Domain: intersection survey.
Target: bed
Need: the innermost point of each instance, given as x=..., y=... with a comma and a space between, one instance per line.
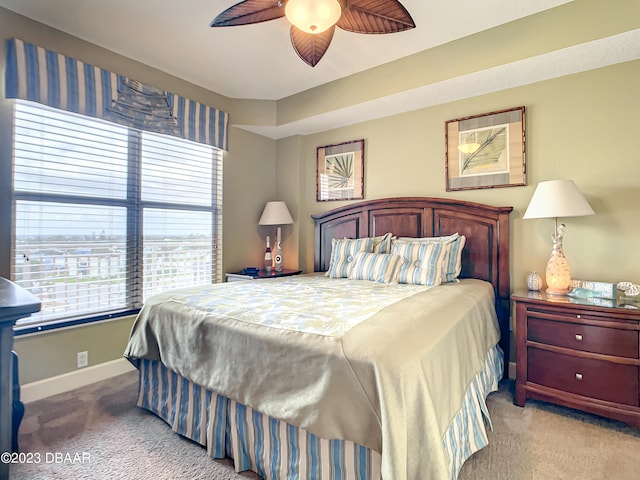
x=331, y=376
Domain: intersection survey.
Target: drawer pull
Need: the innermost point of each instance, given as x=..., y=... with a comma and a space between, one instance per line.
x=578, y=316
x=578, y=376
x=578, y=337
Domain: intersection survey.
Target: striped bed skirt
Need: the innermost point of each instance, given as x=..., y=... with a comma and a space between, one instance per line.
x=276, y=450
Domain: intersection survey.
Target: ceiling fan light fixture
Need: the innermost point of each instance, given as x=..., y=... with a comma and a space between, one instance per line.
x=313, y=16
x=313, y=22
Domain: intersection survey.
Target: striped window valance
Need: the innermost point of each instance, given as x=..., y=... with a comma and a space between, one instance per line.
x=40, y=75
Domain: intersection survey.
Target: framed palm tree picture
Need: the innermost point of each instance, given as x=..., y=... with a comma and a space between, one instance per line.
x=340, y=171
x=486, y=151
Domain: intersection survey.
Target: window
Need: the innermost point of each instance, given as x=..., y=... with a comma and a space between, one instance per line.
x=106, y=215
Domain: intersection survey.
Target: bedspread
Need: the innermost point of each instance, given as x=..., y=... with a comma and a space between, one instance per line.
x=388, y=376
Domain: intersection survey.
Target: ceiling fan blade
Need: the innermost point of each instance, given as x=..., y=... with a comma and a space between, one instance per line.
x=375, y=16
x=250, y=11
x=311, y=47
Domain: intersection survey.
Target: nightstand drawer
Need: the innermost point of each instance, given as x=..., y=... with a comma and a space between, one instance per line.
x=613, y=382
x=588, y=338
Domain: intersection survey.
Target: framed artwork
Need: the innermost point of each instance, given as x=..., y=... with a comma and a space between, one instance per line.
x=340, y=171
x=486, y=151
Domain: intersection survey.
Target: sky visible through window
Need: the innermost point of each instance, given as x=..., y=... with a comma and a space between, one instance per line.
x=74, y=183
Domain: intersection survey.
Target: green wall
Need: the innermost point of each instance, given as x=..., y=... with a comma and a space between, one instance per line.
x=44, y=355
x=581, y=126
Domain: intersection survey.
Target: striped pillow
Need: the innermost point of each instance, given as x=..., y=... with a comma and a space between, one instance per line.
x=422, y=262
x=452, y=262
x=382, y=244
x=376, y=267
x=343, y=252
x=453, y=266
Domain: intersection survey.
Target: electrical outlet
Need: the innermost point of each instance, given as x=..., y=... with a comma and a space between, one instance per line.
x=83, y=359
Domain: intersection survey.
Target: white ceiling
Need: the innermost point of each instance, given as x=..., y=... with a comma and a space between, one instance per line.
x=257, y=61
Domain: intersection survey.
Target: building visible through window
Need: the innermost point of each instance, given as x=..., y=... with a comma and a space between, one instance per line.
x=107, y=215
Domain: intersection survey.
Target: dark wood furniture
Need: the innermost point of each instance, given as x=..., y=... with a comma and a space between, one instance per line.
x=236, y=276
x=15, y=303
x=579, y=353
x=485, y=255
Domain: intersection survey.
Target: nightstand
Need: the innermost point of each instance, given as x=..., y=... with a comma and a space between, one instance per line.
x=580, y=353
x=15, y=303
x=238, y=276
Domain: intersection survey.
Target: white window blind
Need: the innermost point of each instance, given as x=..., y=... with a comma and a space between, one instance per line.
x=106, y=215
x=177, y=172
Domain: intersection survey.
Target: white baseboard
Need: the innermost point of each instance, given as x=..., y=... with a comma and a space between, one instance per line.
x=31, y=392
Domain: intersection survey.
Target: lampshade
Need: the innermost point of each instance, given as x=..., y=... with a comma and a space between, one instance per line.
x=557, y=198
x=313, y=16
x=275, y=213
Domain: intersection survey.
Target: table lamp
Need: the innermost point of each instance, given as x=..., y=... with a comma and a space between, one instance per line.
x=276, y=213
x=553, y=199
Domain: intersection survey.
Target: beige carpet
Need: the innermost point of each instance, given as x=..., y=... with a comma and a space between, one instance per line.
x=97, y=432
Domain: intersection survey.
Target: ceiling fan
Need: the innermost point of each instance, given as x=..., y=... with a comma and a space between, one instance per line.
x=314, y=21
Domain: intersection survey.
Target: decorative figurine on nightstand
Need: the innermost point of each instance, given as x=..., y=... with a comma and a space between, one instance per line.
x=534, y=282
x=629, y=289
x=268, y=259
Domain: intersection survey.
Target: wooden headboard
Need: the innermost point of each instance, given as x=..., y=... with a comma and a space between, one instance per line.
x=485, y=255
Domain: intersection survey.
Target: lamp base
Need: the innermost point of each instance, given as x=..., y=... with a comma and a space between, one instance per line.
x=558, y=271
x=557, y=291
